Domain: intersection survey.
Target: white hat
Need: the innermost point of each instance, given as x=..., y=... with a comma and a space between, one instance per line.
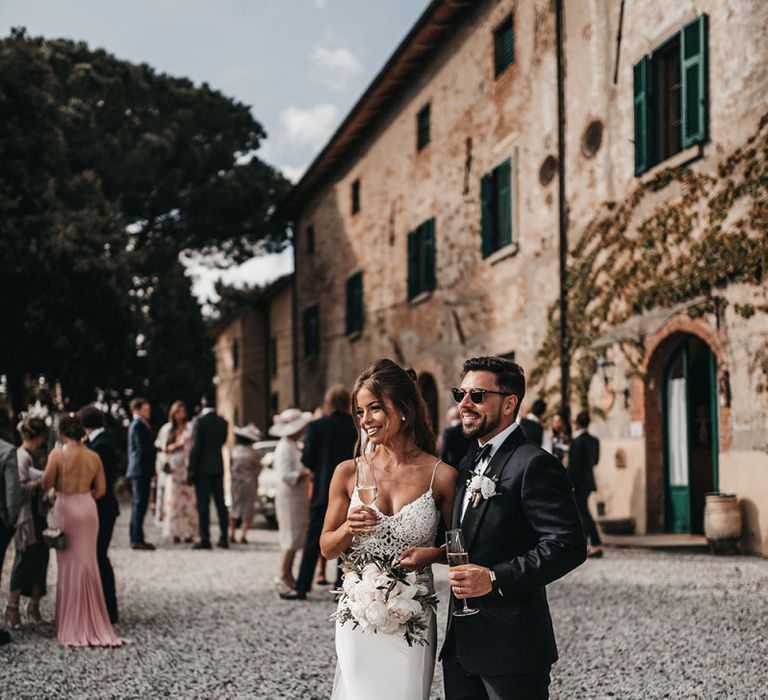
x=289, y=422
x=249, y=432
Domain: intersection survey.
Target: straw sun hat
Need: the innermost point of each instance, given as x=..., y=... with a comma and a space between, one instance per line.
x=249, y=432
x=289, y=422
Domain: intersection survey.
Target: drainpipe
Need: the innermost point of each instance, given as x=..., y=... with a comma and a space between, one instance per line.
x=563, y=210
x=295, y=323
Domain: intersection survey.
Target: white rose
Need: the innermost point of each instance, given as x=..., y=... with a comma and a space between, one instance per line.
x=403, y=610
x=487, y=487
x=351, y=580
x=476, y=482
x=376, y=613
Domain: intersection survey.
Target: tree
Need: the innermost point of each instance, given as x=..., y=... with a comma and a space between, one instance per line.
x=108, y=171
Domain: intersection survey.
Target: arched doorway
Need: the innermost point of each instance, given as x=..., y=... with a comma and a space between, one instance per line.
x=428, y=388
x=690, y=425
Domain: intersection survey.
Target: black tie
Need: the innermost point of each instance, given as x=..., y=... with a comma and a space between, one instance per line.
x=480, y=456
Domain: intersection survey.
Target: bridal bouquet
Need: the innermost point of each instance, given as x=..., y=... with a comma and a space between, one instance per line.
x=381, y=596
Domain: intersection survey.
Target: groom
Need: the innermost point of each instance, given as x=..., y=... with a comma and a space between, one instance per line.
x=522, y=537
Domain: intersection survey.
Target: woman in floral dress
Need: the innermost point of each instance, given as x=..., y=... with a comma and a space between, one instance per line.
x=180, y=507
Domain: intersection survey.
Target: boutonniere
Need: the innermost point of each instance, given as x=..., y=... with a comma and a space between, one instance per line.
x=481, y=488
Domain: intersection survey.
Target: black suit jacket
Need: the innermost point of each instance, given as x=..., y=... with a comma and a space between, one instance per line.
x=532, y=430
x=107, y=504
x=208, y=437
x=530, y=534
x=454, y=445
x=584, y=454
x=329, y=441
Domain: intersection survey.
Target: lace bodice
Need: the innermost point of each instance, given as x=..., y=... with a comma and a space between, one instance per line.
x=414, y=525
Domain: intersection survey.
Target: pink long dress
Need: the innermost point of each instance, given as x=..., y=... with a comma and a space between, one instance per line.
x=81, y=613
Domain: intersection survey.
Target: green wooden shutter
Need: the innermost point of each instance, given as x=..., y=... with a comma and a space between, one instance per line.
x=413, y=268
x=504, y=45
x=504, y=202
x=354, y=316
x=693, y=73
x=486, y=223
x=428, y=254
x=642, y=151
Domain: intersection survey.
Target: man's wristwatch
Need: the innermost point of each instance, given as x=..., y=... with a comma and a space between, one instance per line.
x=494, y=582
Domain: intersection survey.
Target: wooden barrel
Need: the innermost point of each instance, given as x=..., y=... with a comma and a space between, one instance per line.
x=722, y=522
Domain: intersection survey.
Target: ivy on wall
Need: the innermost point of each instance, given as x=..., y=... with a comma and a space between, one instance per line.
x=705, y=233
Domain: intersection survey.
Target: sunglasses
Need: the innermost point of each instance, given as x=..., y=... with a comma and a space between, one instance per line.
x=476, y=396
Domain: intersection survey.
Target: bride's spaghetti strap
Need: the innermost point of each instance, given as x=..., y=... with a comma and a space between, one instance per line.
x=434, y=471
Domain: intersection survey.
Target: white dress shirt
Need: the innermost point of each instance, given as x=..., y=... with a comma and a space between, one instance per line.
x=482, y=465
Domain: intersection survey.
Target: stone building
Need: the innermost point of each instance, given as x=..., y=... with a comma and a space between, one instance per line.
x=427, y=230
x=253, y=346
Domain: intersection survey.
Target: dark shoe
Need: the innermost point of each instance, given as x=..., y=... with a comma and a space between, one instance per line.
x=223, y=544
x=322, y=581
x=293, y=595
x=595, y=552
x=143, y=546
x=189, y=540
x=114, y=619
x=202, y=545
x=177, y=540
x=5, y=638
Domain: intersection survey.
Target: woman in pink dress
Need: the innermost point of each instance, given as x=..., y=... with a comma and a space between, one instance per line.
x=78, y=475
x=180, y=505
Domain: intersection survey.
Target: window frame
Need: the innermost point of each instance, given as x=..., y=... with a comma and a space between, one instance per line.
x=424, y=127
x=500, y=61
x=355, y=196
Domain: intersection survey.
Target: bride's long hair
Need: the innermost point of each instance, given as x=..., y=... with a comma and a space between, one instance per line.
x=386, y=378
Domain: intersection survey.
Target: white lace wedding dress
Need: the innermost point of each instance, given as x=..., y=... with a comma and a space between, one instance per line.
x=383, y=666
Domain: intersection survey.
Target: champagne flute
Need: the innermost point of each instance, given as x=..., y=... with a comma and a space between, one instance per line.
x=458, y=559
x=367, y=491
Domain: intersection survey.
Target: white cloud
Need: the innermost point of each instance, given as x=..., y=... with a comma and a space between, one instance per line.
x=321, y=3
x=335, y=68
x=293, y=173
x=311, y=125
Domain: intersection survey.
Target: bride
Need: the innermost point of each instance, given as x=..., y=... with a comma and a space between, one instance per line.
x=414, y=489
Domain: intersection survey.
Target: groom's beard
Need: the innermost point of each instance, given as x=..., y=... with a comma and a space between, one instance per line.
x=487, y=425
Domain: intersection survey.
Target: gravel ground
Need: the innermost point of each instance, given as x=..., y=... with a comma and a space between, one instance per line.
x=209, y=625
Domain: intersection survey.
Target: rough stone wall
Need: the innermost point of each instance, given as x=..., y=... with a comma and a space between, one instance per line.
x=479, y=306
x=281, y=328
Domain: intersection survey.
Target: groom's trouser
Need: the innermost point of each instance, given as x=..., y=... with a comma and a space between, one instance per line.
x=460, y=684
x=207, y=486
x=311, y=548
x=590, y=528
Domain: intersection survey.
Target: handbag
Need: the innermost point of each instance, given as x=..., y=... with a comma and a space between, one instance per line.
x=54, y=537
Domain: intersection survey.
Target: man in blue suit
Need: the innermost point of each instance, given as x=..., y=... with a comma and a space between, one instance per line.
x=141, y=469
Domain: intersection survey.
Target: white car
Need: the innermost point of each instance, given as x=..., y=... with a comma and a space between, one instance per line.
x=267, y=480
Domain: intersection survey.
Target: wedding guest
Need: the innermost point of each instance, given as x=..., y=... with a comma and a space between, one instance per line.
x=141, y=469
x=291, y=501
x=453, y=443
x=206, y=470
x=106, y=506
x=561, y=437
x=245, y=467
x=179, y=504
x=10, y=502
x=78, y=476
x=329, y=442
x=532, y=425
x=584, y=455
x=30, y=563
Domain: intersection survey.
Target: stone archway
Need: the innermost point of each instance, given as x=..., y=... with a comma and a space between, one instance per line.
x=683, y=346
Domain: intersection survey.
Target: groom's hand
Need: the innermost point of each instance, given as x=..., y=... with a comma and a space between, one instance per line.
x=470, y=582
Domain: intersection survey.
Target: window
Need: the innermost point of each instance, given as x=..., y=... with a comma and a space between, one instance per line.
x=356, y=196
x=670, y=99
x=310, y=239
x=235, y=353
x=273, y=356
x=504, y=45
x=311, y=332
x=422, y=128
x=275, y=402
x=354, y=304
x=421, y=259
x=496, y=208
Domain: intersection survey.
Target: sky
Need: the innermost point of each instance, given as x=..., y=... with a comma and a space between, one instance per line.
x=300, y=64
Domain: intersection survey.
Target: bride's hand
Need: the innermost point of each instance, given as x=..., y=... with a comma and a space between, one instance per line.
x=362, y=520
x=416, y=558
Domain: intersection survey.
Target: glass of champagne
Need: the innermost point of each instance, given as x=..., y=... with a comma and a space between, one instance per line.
x=366, y=483
x=458, y=558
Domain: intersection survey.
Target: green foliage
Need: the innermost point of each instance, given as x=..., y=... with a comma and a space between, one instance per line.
x=688, y=246
x=93, y=147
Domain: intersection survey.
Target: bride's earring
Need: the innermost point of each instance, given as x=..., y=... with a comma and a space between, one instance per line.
x=403, y=419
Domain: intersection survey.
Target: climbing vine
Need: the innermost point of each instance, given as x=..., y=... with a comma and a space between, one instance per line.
x=707, y=233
